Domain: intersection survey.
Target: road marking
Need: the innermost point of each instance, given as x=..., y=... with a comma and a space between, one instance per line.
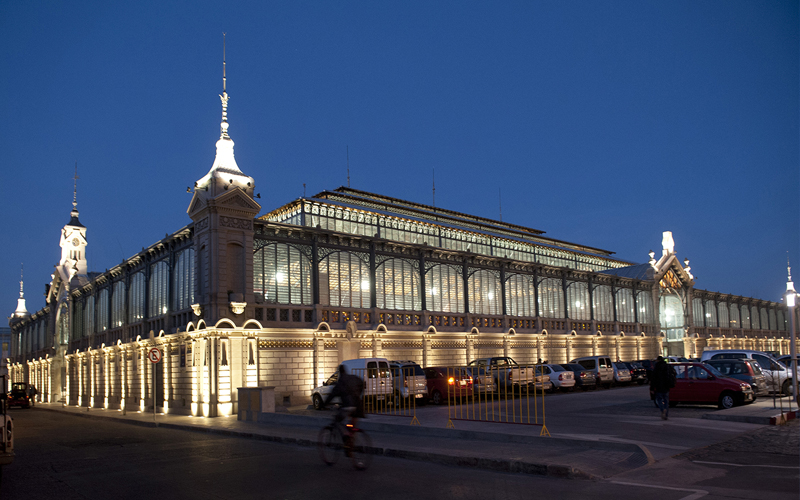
x=747, y=465
x=694, y=496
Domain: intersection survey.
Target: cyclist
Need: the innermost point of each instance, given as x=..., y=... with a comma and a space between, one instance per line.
x=349, y=389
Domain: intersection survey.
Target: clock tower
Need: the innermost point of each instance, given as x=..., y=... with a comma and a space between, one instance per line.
x=73, y=243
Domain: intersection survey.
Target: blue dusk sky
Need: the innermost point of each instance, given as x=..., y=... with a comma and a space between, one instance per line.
x=600, y=123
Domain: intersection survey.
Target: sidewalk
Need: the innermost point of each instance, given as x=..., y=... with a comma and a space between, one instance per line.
x=493, y=446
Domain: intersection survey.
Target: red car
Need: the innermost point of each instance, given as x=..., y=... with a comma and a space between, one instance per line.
x=447, y=383
x=703, y=384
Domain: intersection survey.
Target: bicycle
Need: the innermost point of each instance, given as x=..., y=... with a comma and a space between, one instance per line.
x=337, y=435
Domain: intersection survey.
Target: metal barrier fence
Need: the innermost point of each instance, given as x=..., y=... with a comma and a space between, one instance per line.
x=394, y=391
x=513, y=395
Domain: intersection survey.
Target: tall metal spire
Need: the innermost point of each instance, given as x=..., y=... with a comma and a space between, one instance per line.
x=75, y=189
x=21, y=277
x=224, y=96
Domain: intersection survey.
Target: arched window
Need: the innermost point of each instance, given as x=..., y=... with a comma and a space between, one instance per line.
x=746, y=324
x=118, y=305
x=773, y=320
x=722, y=309
x=445, y=289
x=88, y=317
x=520, y=295
x=697, y=312
x=344, y=280
x=397, y=286
x=755, y=321
x=734, y=316
x=764, y=319
x=484, y=292
x=551, y=298
x=102, y=310
x=711, y=314
x=184, y=279
x=603, y=303
x=578, y=300
x=158, y=289
x=282, y=275
x=781, y=321
x=63, y=324
x=625, y=306
x=644, y=301
x=136, y=298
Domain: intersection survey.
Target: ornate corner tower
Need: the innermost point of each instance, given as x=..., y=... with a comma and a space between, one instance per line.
x=223, y=210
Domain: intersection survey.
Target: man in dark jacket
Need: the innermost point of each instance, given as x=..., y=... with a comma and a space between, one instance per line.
x=349, y=389
x=662, y=382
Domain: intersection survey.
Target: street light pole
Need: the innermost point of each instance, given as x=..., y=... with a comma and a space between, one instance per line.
x=791, y=297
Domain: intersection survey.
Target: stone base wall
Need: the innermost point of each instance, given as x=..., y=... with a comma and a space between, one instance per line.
x=296, y=361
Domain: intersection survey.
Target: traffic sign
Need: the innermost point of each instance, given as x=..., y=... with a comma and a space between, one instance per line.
x=154, y=355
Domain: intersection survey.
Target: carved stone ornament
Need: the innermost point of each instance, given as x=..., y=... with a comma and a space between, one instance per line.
x=235, y=223
x=197, y=309
x=238, y=307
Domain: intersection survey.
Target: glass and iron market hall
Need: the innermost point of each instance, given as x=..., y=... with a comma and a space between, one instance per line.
x=234, y=300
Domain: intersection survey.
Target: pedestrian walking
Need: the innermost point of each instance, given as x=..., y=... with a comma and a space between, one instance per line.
x=32, y=392
x=663, y=380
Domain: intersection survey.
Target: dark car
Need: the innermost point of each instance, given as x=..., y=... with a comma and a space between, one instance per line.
x=699, y=383
x=447, y=384
x=638, y=372
x=648, y=365
x=584, y=379
x=18, y=396
x=747, y=370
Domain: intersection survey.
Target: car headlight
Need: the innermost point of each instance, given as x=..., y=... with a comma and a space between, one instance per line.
x=746, y=387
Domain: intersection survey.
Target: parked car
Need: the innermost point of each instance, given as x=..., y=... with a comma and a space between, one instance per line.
x=622, y=375
x=448, y=384
x=648, y=365
x=779, y=378
x=700, y=383
x=18, y=396
x=599, y=365
x=408, y=381
x=374, y=371
x=542, y=380
x=676, y=359
x=483, y=383
x=584, y=379
x=507, y=374
x=560, y=377
x=747, y=370
x=638, y=372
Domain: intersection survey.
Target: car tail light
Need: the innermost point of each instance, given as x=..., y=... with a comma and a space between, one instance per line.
x=451, y=380
x=560, y=377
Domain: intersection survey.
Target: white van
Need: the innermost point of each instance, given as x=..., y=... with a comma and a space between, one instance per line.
x=374, y=371
x=779, y=378
x=601, y=366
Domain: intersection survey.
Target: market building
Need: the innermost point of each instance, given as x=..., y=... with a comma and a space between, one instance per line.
x=235, y=300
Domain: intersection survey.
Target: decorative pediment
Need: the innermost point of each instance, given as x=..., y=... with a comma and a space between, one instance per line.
x=195, y=205
x=237, y=199
x=670, y=273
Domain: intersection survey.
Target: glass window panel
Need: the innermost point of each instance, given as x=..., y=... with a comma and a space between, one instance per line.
x=551, y=298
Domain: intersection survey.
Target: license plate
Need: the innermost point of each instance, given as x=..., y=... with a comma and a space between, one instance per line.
x=379, y=398
x=463, y=382
x=418, y=396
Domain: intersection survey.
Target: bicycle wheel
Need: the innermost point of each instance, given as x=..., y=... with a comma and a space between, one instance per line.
x=329, y=442
x=361, y=449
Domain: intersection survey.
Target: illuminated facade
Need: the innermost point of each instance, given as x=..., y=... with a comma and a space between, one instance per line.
x=235, y=300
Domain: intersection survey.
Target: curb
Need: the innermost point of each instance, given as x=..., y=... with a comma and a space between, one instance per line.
x=492, y=464
x=774, y=419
